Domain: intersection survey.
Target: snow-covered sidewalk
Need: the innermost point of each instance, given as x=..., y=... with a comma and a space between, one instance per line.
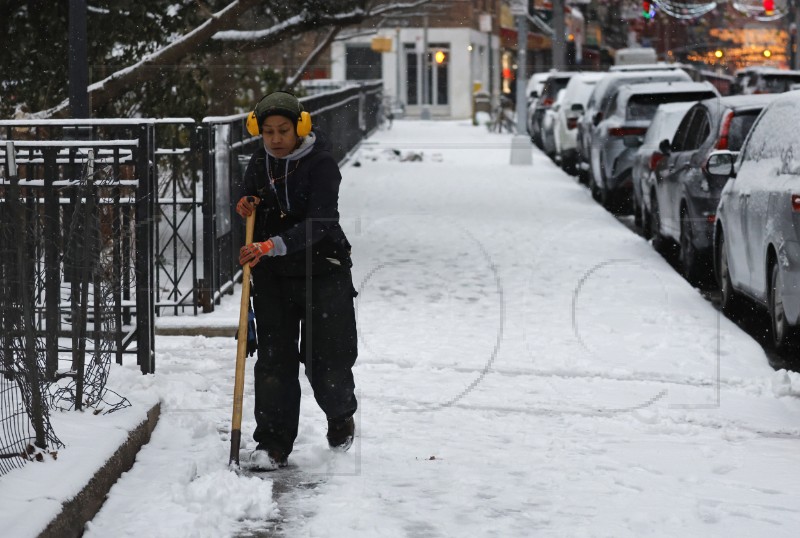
x=527, y=367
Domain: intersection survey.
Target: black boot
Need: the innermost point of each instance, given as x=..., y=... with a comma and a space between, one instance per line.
x=340, y=433
x=262, y=459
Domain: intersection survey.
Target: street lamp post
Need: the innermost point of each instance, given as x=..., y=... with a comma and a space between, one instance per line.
x=521, y=148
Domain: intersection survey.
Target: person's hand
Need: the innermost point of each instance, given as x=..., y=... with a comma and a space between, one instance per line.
x=246, y=205
x=252, y=253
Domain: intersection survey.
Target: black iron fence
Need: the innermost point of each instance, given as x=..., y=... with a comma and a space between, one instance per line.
x=176, y=183
x=105, y=224
x=52, y=165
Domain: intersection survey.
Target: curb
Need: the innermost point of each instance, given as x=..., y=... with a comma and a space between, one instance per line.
x=209, y=331
x=76, y=512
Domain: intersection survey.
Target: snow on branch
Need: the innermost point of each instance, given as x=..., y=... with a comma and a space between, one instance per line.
x=118, y=82
x=313, y=56
x=216, y=28
x=305, y=21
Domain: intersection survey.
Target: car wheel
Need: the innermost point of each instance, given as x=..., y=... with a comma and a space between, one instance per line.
x=607, y=197
x=691, y=262
x=783, y=334
x=659, y=242
x=730, y=302
x=584, y=177
x=637, y=212
x=646, y=225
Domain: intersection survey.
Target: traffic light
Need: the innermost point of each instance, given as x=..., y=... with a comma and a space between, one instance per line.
x=649, y=9
x=769, y=6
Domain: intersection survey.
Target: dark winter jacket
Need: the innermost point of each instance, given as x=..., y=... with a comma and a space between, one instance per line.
x=301, y=206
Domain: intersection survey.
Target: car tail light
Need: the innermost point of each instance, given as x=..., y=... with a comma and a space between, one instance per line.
x=796, y=203
x=655, y=157
x=711, y=219
x=627, y=131
x=724, y=129
x=547, y=101
x=572, y=123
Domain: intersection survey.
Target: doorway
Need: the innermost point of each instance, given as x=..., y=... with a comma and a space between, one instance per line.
x=436, y=64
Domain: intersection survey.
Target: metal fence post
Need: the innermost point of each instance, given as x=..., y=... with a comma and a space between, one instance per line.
x=144, y=253
x=51, y=240
x=207, y=284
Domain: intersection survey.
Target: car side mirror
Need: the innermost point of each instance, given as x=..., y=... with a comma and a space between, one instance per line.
x=577, y=107
x=720, y=163
x=597, y=118
x=632, y=141
x=665, y=147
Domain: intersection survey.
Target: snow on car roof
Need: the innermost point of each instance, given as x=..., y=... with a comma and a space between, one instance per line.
x=747, y=101
x=665, y=87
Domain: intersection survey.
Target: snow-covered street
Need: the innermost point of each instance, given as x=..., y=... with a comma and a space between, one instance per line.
x=527, y=367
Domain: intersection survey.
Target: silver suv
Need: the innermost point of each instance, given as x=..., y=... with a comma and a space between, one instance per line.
x=603, y=91
x=620, y=131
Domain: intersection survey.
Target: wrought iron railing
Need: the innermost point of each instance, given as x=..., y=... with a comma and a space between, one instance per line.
x=177, y=183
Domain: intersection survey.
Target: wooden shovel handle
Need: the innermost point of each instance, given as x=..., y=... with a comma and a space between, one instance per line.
x=241, y=350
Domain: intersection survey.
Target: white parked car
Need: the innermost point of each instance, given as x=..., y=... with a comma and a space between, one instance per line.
x=757, y=232
x=604, y=90
x=565, y=132
x=547, y=132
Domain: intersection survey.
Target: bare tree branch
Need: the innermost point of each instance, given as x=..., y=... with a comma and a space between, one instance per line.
x=117, y=83
x=244, y=41
x=291, y=81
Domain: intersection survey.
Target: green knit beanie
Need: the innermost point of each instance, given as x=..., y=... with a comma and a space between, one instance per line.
x=278, y=104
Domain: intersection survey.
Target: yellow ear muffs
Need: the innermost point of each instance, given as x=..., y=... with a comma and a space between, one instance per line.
x=252, y=124
x=304, y=124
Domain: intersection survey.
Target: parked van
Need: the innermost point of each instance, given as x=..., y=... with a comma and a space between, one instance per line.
x=638, y=55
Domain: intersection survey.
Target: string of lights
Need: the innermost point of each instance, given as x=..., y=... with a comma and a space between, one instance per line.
x=760, y=10
x=684, y=10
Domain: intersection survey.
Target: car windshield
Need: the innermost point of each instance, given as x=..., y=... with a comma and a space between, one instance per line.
x=643, y=107
x=779, y=83
x=740, y=126
x=665, y=126
x=552, y=87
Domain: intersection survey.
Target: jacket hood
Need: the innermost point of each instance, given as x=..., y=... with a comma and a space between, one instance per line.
x=313, y=142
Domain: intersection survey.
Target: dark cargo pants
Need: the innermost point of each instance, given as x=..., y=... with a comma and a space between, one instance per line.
x=318, y=329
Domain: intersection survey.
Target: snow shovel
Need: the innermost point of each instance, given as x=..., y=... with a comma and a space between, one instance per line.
x=241, y=350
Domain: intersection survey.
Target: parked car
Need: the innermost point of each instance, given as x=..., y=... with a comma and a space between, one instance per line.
x=663, y=126
x=765, y=80
x=604, y=90
x=565, y=132
x=757, y=232
x=548, y=125
x=555, y=82
x=635, y=55
x=682, y=196
x=535, y=84
x=621, y=129
x=532, y=91
x=658, y=66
